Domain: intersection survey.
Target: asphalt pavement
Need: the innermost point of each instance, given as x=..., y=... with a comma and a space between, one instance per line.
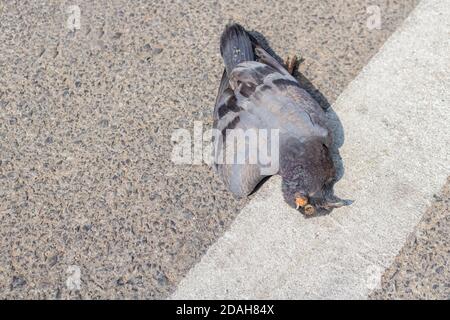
x=91, y=204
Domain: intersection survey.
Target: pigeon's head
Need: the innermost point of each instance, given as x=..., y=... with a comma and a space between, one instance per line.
x=310, y=201
x=308, y=177
x=311, y=204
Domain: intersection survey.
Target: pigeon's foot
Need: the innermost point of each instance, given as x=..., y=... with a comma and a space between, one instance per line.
x=291, y=64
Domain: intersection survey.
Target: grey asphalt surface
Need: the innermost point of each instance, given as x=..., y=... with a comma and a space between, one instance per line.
x=86, y=117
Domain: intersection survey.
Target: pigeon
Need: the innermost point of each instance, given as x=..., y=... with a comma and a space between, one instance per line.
x=258, y=93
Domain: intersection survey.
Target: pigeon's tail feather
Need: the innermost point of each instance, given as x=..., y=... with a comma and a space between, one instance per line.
x=235, y=46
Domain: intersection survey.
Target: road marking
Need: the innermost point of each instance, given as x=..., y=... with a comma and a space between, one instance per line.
x=395, y=154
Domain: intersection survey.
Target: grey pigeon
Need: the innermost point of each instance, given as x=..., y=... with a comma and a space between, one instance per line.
x=257, y=92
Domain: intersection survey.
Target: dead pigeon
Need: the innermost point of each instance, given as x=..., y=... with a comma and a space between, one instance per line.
x=257, y=92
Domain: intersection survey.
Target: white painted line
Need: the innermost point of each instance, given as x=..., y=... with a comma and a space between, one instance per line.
x=396, y=155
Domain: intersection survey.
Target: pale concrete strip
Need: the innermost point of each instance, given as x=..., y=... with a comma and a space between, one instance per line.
x=396, y=155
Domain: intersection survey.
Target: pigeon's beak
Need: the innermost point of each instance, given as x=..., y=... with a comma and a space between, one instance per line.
x=301, y=201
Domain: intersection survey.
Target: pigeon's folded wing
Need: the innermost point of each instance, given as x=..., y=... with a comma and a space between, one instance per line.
x=277, y=99
x=240, y=176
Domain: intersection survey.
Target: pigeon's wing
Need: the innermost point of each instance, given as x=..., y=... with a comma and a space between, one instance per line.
x=241, y=173
x=266, y=90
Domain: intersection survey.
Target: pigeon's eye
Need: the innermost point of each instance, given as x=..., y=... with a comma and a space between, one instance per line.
x=309, y=210
x=300, y=201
